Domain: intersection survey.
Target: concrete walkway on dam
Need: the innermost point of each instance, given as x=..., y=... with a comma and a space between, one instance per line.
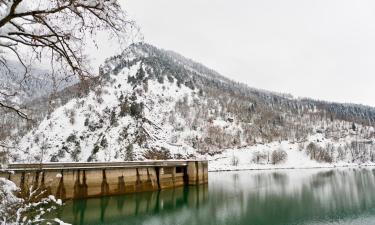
x=85, y=180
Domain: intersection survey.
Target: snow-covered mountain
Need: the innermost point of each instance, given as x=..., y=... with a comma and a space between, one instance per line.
x=154, y=104
x=36, y=83
x=31, y=92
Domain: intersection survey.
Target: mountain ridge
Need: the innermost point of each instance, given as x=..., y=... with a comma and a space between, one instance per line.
x=152, y=103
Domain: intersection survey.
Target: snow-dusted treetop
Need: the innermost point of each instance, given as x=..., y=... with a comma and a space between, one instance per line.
x=55, y=31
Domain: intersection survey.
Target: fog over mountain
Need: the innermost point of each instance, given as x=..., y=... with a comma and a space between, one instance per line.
x=318, y=49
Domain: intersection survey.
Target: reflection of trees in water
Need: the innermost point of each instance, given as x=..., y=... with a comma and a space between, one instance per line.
x=133, y=207
x=275, y=180
x=235, y=180
x=322, y=178
x=103, y=207
x=330, y=194
x=280, y=178
x=77, y=212
x=254, y=197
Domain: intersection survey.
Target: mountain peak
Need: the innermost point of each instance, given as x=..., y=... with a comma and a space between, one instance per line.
x=156, y=104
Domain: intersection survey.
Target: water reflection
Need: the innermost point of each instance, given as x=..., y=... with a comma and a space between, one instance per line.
x=133, y=208
x=326, y=196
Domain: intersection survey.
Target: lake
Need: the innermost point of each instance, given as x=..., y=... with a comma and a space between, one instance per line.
x=310, y=196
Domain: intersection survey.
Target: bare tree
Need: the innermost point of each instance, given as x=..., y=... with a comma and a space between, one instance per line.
x=53, y=30
x=278, y=156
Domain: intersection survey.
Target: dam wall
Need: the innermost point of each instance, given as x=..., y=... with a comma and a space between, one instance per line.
x=85, y=180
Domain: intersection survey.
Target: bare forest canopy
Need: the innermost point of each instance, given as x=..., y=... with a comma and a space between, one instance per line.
x=263, y=116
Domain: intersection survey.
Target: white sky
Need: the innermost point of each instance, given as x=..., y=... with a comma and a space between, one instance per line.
x=323, y=49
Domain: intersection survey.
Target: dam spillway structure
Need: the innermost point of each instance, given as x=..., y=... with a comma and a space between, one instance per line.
x=86, y=180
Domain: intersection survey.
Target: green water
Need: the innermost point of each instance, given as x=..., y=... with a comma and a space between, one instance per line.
x=325, y=196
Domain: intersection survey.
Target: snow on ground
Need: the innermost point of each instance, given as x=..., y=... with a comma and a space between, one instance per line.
x=16, y=210
x=7, y=201
x=103, y=127
x=246, y=157
x=70, y=121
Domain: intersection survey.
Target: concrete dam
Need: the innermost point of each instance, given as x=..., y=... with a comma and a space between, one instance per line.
x=84, y=180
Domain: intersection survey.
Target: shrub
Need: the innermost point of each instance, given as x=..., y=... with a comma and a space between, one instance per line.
x=113, y=119
x=86, y=121
x=104, y=142
x=341, y=154
x=124, y=109
x=179, y=156
x=72, y=116
x=99, y=99
x=317, y=153
x=136, y=109
x=61, y=152
x=157, y=154
x=278, y=156
x=71, y=138
x=259, y=157
x=129, y=155
x=3, y=159
x=312, y=150
x=75, y=153
x=160, y=79
x=95, y=150
x=234, y=161
x=170, y=78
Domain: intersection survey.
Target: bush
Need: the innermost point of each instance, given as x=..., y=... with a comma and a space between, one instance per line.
x=86, y=121
x=259, y=157
x=130, y=153
x=278, y=156
x=341, y=154
x=95, y=150
x=317, y=153
x=124, y=109
x=157, y=154
x=104, y=142
x=70, y=113
x=71, y=138
x=113, y=119
x=234, y=161
x=99, y=99
x=75, y=153
x=25, y=207
x=3, y=159
x=136, y=109
x=160, y=79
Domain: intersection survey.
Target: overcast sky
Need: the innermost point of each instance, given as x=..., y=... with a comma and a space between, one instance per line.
x=323, y=49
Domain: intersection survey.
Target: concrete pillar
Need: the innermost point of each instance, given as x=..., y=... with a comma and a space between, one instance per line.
x=197, y=172
x=192, y=172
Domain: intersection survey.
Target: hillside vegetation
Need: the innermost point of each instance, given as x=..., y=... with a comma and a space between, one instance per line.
x=150, y=103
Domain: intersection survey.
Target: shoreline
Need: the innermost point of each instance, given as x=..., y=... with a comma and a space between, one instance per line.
x=295, y=168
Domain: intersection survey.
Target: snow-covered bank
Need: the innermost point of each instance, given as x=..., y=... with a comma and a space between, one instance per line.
x=213, y=168
x=258, y=157
x=8, y=201
x=30, y=209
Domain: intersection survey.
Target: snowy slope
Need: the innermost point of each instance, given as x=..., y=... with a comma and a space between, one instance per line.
x=38, y=82
x=84, y=129
x=155, y=104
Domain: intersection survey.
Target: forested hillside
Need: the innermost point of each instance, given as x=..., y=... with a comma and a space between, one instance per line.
x=150, y=103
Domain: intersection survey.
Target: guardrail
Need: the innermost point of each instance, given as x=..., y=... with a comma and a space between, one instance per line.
x=95, y=165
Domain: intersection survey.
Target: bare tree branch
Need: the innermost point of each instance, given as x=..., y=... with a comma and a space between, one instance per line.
x=58, y=30
x=13, y=109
